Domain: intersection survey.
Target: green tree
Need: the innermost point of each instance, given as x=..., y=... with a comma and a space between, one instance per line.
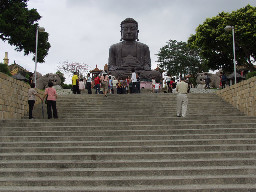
x=4, y=69
x=18, y=27
x=216, y=44
x=177, y=58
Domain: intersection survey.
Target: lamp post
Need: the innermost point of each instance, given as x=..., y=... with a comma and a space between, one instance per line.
x=228, y=28
x=38, y=29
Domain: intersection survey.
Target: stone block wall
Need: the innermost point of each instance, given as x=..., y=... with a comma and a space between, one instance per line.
x=242, y=96
x=14, y=98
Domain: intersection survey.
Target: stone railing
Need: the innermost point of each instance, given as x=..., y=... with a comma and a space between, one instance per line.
x=242, y=96
x=14, y=98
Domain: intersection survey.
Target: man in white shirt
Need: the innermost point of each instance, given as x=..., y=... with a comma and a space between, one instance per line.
x=134, y=81
x=182, y=99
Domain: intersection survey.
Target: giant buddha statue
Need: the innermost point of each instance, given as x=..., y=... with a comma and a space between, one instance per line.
x=130, y=54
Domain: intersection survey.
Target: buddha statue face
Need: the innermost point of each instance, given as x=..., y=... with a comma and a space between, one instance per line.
x=129, y=30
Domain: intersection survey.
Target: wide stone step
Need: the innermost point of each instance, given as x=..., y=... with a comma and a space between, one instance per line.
x=62, y=164
x=128, y=138
x=204, y=142
x=129, y=180
x=130, y=171
x=82, y=128
x=127, y=122
x=87, y=131
x=102, y=156
x=129, y=149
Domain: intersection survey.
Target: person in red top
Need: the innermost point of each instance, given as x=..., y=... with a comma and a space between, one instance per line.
x=51, y=101
x=170, y=86
x=97, y=84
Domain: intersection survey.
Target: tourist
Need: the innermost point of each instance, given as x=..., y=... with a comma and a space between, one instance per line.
x=31, y=99
x=182, y=99
x=157, y=87
x=134, y=81
x=104, y=82
x=223, y=81
x=89, y=84
x=119, y=87
x=124, y=86
x=153, y=85
x=97, y=84
x=207, y=82
x=173, y=84
x=51, y=96
x=138, y=83
x=110, y=85
x=170, y=87
x=75, y=83
x=130, y=84
x=81, y=86
x=168, y=82
x=114, y=81
x=128, y=80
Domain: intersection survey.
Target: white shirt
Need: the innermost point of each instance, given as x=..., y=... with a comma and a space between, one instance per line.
x=89, y=79
x=157, y=86
x=134, y=79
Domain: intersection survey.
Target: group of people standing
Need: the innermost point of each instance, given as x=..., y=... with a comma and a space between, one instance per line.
x=79, y=85
x=223, y=81
x=105, y=84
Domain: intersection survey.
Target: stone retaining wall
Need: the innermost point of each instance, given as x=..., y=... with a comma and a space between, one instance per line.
x=242, y=96
x=14, y=98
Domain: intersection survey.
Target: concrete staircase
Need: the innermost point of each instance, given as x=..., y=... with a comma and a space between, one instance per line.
x=126, y=143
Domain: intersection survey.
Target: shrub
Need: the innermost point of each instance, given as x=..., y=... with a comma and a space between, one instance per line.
x=251, y=74
x=65, y=86
x=4, y=69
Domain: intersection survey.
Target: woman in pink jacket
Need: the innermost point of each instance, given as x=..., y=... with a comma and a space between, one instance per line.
x=51, y=101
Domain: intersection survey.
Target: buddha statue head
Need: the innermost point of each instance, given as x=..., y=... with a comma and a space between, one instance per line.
x=129, y=30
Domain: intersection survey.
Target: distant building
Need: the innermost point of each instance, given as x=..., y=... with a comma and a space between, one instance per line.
x=95, y=71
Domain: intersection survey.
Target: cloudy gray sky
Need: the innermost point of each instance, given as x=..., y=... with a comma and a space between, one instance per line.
x=83, y=30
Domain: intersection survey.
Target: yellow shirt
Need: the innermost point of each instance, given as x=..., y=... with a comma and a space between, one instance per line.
x=182, y=87
x=74, y=79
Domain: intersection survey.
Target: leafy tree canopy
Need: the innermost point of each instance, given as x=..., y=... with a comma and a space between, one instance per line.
x=177, y=58
x=216, y=44
x=18, y=27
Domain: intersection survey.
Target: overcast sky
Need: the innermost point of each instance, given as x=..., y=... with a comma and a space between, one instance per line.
x=83, y=30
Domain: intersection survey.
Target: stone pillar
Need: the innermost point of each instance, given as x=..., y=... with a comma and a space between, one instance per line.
x=6, y=60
